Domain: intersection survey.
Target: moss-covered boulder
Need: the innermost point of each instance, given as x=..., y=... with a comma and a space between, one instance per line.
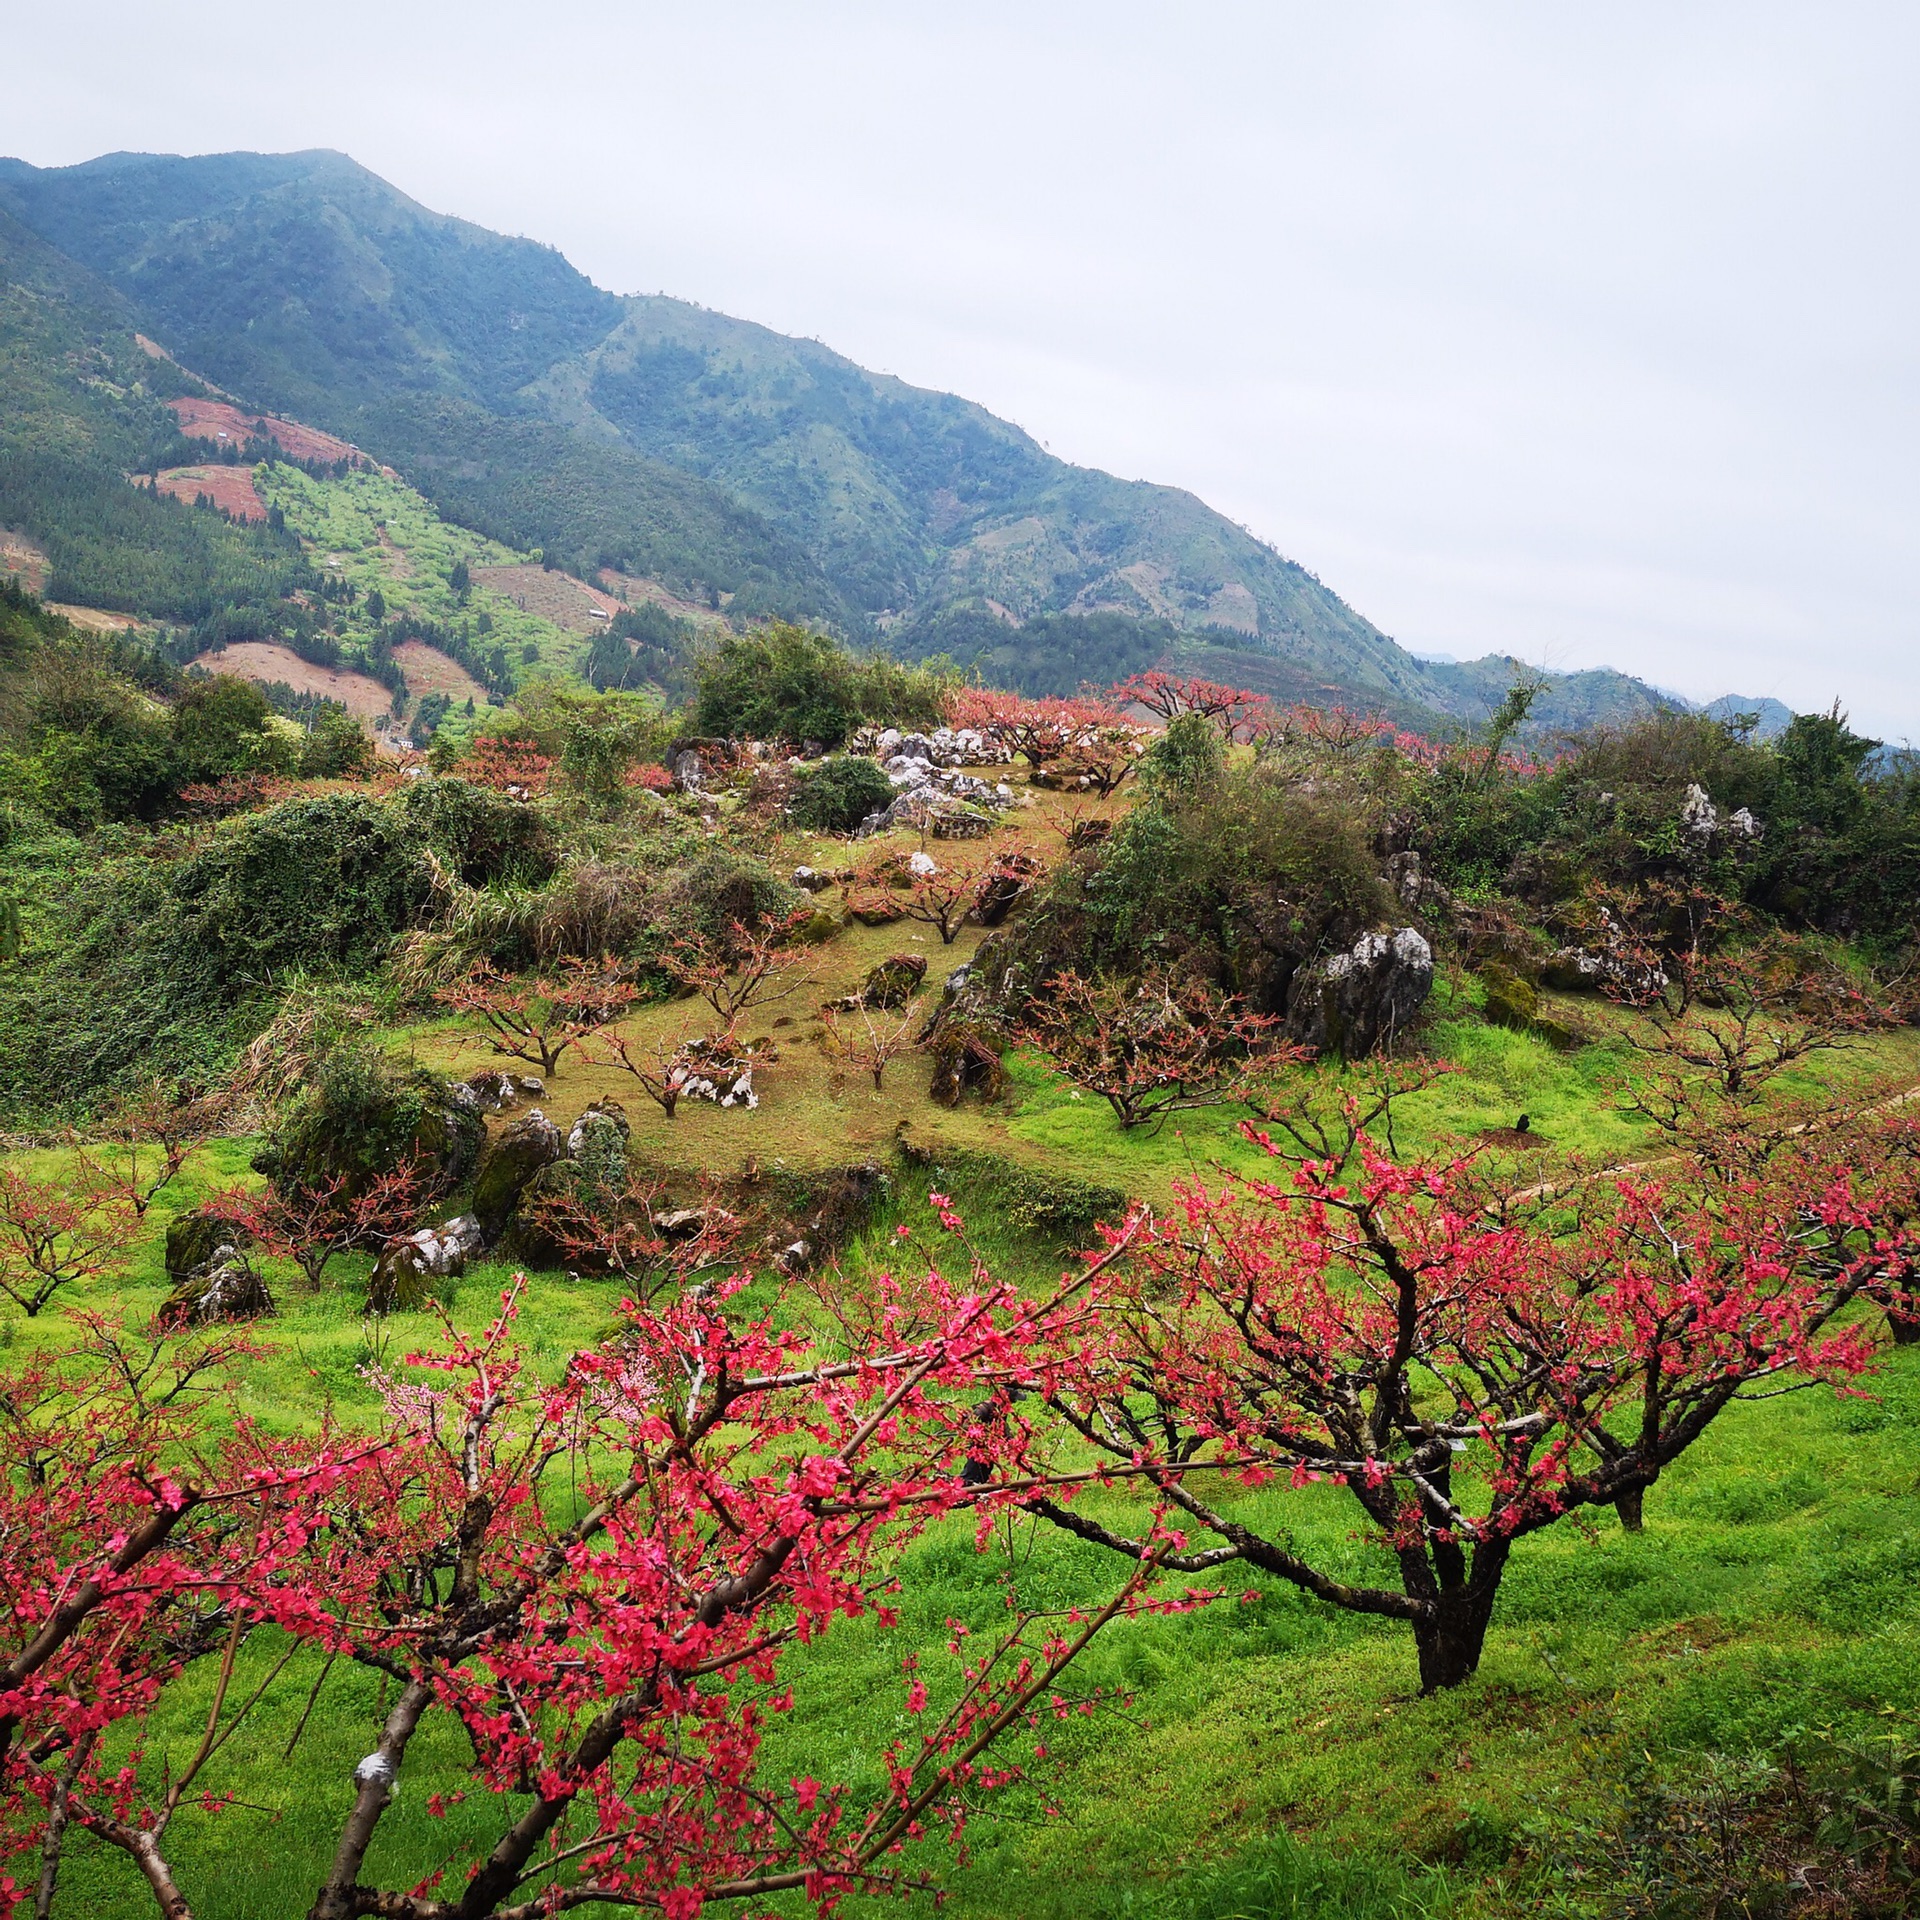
x=894, y=981
x=966, y=1057
x=223, y=1287
x=513, y=1159
x=1513, y=1001
x=192, y=1238
x=366, y=1115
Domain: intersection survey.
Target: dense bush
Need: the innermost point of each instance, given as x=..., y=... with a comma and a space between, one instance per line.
x=1238, y=882
x=783, y=682
x=839, y=793
x=152, y=955
x=336, y=747
x=311, y=886
x=366, y=1114
x=724, y=890
x=484, y=837
x=223, y=725
x=1837, y=845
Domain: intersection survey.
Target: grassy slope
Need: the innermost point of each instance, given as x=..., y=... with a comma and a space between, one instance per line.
x=1775, y=1583
x=348, y=517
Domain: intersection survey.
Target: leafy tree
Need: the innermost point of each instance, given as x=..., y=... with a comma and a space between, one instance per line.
x=783, y=682
x=223, y=725
x=337, y=747
x=1161, y=1046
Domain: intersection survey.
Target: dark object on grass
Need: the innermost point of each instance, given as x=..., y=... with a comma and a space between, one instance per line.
x=223, y=1287
x=891, y=984
x=1513, y=1139
x=1003, y=886
x=966, y=1059
x=511, y=1162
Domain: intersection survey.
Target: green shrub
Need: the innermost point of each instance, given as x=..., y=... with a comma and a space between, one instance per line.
x=1242, y=884
x=223, y=725
x=837, y=795
x=366, y=1114
x=311, y=886
x=485, y=837
x=724, y=889
x=783, y=682
x=337, y=747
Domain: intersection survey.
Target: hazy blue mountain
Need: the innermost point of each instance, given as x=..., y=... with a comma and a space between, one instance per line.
x=1773, y=716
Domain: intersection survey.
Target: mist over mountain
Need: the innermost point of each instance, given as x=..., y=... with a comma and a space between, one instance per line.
x=733, y=464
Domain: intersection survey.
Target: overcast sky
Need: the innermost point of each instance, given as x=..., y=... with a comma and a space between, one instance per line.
x=1586, y=334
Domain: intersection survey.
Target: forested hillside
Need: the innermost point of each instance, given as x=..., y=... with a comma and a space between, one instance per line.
x=81, y=409
x=731, y=463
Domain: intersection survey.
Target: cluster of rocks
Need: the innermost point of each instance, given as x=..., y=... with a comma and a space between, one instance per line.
x=949, y=804
x=496, y=1091
x=943, y=747
x=1700, y=819
x=719, y=1071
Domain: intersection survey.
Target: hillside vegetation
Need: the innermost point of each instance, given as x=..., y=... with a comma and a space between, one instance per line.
x=1259, y=1315
x=732, y=464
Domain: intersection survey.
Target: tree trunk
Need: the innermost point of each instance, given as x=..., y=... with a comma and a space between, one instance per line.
x=1450, y=1637
x=1904, y=1328
x=1628, y=1507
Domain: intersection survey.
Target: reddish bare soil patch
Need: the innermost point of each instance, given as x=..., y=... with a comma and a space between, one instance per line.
x=228, y=487
x=558, y=597
x=263, y=661
x=635, y=589
x=95, y=619
x=428, y=670
x=21, y=558
x=215, y=420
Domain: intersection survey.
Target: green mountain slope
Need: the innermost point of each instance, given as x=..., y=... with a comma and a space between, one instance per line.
x=80, y=408
x=314, y=289
x=308, y=285
x=918, y=501
x=733, y=463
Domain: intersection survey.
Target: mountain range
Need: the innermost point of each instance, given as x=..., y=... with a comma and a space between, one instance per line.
x=642, y=436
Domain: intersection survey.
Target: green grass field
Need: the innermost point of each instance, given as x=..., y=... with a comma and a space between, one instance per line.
x=1262, y=1756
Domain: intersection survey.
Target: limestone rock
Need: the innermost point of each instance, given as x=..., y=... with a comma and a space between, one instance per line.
x=1361, y=999
x=597, y=1146
x=400, y=1277
x=222, y=1287
x=193, y=1237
